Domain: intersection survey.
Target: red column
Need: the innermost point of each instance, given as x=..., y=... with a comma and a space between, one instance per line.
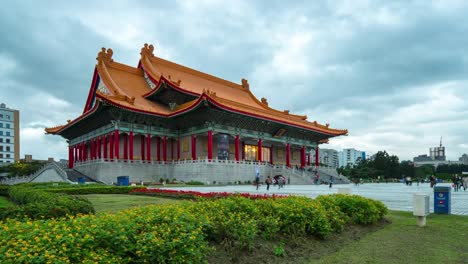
x=148, y=147
x=99, y=145
x=194, y=147
x=130, y=143
x=316, y=157
x=259, y=150
x=104, y=145
x=94, y=142
x=125, y=145
x=91, y=149
x=271, y=154
x=111, y=147
x=70, y=157
x=210, y=144
x=172, y=149
x=178, y=149
x=164, y=148
x=243, y=150
x=158, y=148
x=86, y=152
x=288, y=149
x=237, y=147
x=303, y=159
x=116, y=143
x=142, y=147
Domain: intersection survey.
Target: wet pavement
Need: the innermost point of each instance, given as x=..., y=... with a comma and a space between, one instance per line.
x=396, y=196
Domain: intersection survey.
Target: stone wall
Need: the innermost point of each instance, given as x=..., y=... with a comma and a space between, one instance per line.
x=223, y=172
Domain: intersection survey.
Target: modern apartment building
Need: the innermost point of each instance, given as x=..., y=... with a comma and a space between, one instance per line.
x=350, y=156
x=327, y=157
x=9, y=135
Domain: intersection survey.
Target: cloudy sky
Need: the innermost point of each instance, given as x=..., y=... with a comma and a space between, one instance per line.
x=394, y=73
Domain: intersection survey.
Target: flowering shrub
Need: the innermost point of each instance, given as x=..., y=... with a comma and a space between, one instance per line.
x=360, y=210
x=178, y=233
x=193, y=194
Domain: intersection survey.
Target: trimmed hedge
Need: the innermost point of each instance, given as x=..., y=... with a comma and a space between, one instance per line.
x=99, y=189
x=37, y=204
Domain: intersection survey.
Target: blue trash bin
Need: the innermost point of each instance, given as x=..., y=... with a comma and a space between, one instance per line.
x=123, y=181
x=81, y=180
x=442, y=199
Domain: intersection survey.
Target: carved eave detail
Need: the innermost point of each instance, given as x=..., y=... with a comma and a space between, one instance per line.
x=102, y=88
x=178, y=82
x=105, y=57
x=148, y=80
x=147, y=50
x=209, y=93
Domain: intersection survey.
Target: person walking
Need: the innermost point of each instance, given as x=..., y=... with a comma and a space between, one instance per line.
x=257, y=180
x=331, y=182
x=268, y=182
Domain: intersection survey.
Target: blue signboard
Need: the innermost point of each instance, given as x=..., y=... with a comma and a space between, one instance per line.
x=442, y=203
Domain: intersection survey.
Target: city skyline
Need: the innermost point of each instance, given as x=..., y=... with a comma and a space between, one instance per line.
x=393, y=74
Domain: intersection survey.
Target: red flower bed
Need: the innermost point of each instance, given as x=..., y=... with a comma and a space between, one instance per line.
x=193, y=194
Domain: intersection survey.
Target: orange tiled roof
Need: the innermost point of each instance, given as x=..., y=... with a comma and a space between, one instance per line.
x=126, y=86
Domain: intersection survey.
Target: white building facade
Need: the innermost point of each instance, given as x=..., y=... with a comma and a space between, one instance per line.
x=327, y=157
x=9, y=135
x=350, y=156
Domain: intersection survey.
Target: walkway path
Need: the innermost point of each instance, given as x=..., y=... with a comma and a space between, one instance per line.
x=396, y=196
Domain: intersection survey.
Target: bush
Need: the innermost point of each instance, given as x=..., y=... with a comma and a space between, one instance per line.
x=37, y=204
x=194, y=183
x=99, y=189
x=178, y=233
x=360, y=210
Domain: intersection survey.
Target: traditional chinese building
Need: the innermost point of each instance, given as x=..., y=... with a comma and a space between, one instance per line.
x=165, y=120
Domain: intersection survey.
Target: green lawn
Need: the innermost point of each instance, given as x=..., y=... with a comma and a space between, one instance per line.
x=115, y=202
x=443, y=240
x=4, y=202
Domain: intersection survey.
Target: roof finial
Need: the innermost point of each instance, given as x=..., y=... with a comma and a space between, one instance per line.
x=245, y=84
x=105, y=57
x=147, y=50
x=264, y=101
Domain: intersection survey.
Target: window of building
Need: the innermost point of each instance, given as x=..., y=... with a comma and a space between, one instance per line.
x=7, y=140
x=251, y=153
x=1, y=140
x=8, y=133
x=8, y=161
x=6, y=125
x=1, y=133
x=1, y=125
x=7, y=155
x=1, y=156
x=1, y=148
x=1, y=115
x=7, y=148
x=8, y=117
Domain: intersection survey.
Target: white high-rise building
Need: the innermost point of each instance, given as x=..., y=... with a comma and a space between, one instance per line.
x=328, y=157
x=9, y=135
x=350, y=156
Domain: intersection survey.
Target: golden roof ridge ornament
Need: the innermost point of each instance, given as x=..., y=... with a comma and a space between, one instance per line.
x=245, y=84
x=147, y=50
x=105, y=56
x=264, y=101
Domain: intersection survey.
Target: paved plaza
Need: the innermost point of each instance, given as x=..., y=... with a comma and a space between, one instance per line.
x=396, y=196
